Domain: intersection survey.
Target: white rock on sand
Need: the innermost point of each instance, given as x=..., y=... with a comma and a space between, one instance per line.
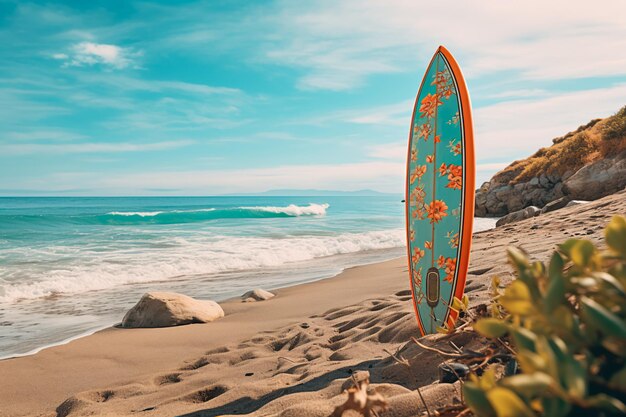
x=257, y=295
x=165, y=309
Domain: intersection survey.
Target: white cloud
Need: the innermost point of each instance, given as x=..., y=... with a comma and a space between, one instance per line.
x=56, y=135
x=338, y=44
x=396, y=151
x=90, y=53
x=393, y=114
x=90, y=147
x=513, y=129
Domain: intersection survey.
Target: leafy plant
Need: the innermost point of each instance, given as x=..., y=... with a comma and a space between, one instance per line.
x=566, y=324
x=615, y=126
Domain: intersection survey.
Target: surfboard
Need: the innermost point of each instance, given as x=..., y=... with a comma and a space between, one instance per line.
x=440, y=181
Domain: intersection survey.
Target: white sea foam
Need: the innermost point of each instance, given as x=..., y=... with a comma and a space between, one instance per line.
x=293, y=210
x=135, y=213
x=97, y=269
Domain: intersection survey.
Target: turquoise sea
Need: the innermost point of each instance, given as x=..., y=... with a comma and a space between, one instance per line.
x=73, y=265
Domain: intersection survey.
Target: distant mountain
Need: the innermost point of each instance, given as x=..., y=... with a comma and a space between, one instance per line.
x=315, y=193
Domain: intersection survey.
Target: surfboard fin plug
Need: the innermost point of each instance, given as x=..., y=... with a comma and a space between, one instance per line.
x=432, y=287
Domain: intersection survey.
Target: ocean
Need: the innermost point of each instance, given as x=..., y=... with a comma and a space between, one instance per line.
x=70, y=266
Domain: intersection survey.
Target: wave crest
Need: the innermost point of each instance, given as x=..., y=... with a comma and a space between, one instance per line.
x=199, y=215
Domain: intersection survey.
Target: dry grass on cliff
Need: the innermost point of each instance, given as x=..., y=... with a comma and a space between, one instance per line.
x=598, y=139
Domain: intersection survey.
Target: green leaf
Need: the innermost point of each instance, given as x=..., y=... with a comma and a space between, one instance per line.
x=538, y=269
x=524, y=339
x=610, y=281
x=556, y=266
x=555, y=294
x=582, y=252
x=573, y=376
x=547, y=354
x=477, y=400
x=531, y=362
x=442, y=330
x=607, y=403
x=563, y=319
x=465, y=301
x=517, y=300
x=457, y=304
x=618, y=380
x=615, y=234
x=507, y=404
x=490, y=327
x=517, y=257
x=487, y=380
x=555, y=407
x=602, y=319
x=566, y=247
x=529, y=385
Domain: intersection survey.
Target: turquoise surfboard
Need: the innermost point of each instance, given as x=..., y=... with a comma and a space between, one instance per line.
x=440, y=185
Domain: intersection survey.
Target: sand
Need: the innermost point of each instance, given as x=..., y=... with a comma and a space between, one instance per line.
x=291, y=355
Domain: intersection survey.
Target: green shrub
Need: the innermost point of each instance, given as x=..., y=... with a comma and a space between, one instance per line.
x=615, y=126
x=566, y=323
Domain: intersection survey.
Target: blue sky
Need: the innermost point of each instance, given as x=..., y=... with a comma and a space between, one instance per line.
x=211, y=97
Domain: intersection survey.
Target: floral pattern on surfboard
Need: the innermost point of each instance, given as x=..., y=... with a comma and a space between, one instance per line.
x=436, y=172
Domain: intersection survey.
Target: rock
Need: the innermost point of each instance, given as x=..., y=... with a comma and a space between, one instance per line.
x=451, y=372
x=575, y=203
x=164, y=309
x=515, y=202
x=544, y=181
x=558, y=189
x=502, y=192
x=599, y=179
x=528, y=212
x=534, y=181
x=257, y=295
x=567, y=174
x=555, y=205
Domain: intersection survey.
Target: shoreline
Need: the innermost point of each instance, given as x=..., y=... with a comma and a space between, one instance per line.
x=293, y=351
x=220, y=301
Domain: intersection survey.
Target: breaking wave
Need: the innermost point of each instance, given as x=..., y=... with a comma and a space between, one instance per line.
x=102, y=269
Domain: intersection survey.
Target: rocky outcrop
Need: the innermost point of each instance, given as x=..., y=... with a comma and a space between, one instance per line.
x=551, y=192
x=256, y=295
x=585, y=164
x=496, y=198
x=165, y=309
x=598, y=180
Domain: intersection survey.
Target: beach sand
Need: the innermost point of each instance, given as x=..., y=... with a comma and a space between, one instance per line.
x=288, y=356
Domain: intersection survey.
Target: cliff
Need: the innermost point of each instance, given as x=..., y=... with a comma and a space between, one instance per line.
x=586, y=164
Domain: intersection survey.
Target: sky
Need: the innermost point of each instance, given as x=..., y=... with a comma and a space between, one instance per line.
x=213, y=97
